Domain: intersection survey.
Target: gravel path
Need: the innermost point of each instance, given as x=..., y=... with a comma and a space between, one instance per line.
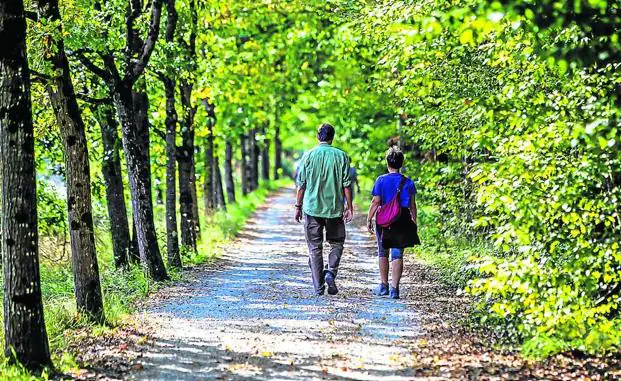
x=255, y=316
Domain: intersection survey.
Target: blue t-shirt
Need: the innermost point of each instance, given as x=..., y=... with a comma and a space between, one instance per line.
x=386, y=188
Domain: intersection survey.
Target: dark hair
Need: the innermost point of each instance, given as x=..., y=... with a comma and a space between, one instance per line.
x=395, y=158
x=325, y=133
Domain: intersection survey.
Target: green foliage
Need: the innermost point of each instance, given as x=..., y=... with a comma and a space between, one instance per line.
x=527, y=188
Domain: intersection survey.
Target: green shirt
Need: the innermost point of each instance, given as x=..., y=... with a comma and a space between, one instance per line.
x=324, y=172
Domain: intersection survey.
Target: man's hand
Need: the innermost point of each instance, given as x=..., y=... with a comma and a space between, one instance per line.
x=298, y=214
x=348, y=215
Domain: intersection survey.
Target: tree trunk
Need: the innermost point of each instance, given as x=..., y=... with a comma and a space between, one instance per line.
x=139, y=171
x=115, y=195
x=208, y=193
x=218, y=191
x=187, y=173
x=265, y=157
x=244, y=165
x=172, y=241
x=255, y=152
x=134, y=251
x=277, y=152
x=69, y=118
x=228, y=172
x=25, y=338
x=208, y=184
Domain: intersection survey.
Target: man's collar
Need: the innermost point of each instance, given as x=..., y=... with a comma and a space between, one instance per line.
x=325, y=144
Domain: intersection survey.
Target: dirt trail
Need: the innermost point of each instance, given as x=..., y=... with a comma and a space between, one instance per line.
x=255, y=314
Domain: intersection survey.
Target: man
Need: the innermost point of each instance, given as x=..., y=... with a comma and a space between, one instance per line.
x=323, y=180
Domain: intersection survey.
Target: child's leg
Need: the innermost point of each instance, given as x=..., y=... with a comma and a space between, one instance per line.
x=383, y=269
x=397, y=266
x=382, y=255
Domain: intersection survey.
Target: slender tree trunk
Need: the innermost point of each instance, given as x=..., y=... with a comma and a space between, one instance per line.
x=244, y=165
x=139, y=171
x=228, y=172
x=69, y=118
x=255, y=152
x=208, y=193
x=25, y=338
x=134, y=251
x=218, y=192
x=172, y=240
x=277, y=152
x=208, y=184
x=265, y=157
x=187, y=174
x=115, y=195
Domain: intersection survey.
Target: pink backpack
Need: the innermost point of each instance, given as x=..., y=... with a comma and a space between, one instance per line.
x=390, y=212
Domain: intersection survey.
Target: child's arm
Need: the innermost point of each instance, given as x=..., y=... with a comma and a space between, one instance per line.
x=375, y=204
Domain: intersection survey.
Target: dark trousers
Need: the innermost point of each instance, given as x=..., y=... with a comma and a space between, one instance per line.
x=335, y=235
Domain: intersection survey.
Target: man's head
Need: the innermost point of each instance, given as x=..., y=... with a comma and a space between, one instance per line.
x=325, y=133
x=394, y=158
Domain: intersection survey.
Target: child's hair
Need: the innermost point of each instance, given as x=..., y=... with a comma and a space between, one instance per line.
x=395, y=158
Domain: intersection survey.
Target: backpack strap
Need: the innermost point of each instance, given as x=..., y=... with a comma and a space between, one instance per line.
x=402, y=184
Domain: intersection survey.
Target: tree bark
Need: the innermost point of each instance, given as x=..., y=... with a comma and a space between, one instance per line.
x=208, y=194
x=228, y=172
x=25, y=338
x=172, y=240
x=265, y=157
x=218, y=191
x=187, y=172
x=138, y=167
x=208, y=197
x=244, y=165
x=255, y=152
x=69, y=118
x=134, y=251
x=277, y=152
x=115, y=195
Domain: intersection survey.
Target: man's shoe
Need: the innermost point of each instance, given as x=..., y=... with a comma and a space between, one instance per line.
x=321, y=291
x=394, y=293
x=382, y=290
x=330, y=281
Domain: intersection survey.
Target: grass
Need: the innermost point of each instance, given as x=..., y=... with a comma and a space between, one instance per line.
x=122, y=289
x=449, y=254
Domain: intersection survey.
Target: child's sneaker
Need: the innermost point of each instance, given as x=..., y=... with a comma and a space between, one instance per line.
x=382, y=290
x=394, y=292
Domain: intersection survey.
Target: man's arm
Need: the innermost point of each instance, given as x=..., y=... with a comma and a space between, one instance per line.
x=349, y=212
x=299, y=199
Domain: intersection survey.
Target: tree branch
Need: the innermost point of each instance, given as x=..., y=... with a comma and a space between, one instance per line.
x=159, y=132
x=90, y=65
x=31, y=15
x=137, y=69
x=94, y=101
x=39, y=77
